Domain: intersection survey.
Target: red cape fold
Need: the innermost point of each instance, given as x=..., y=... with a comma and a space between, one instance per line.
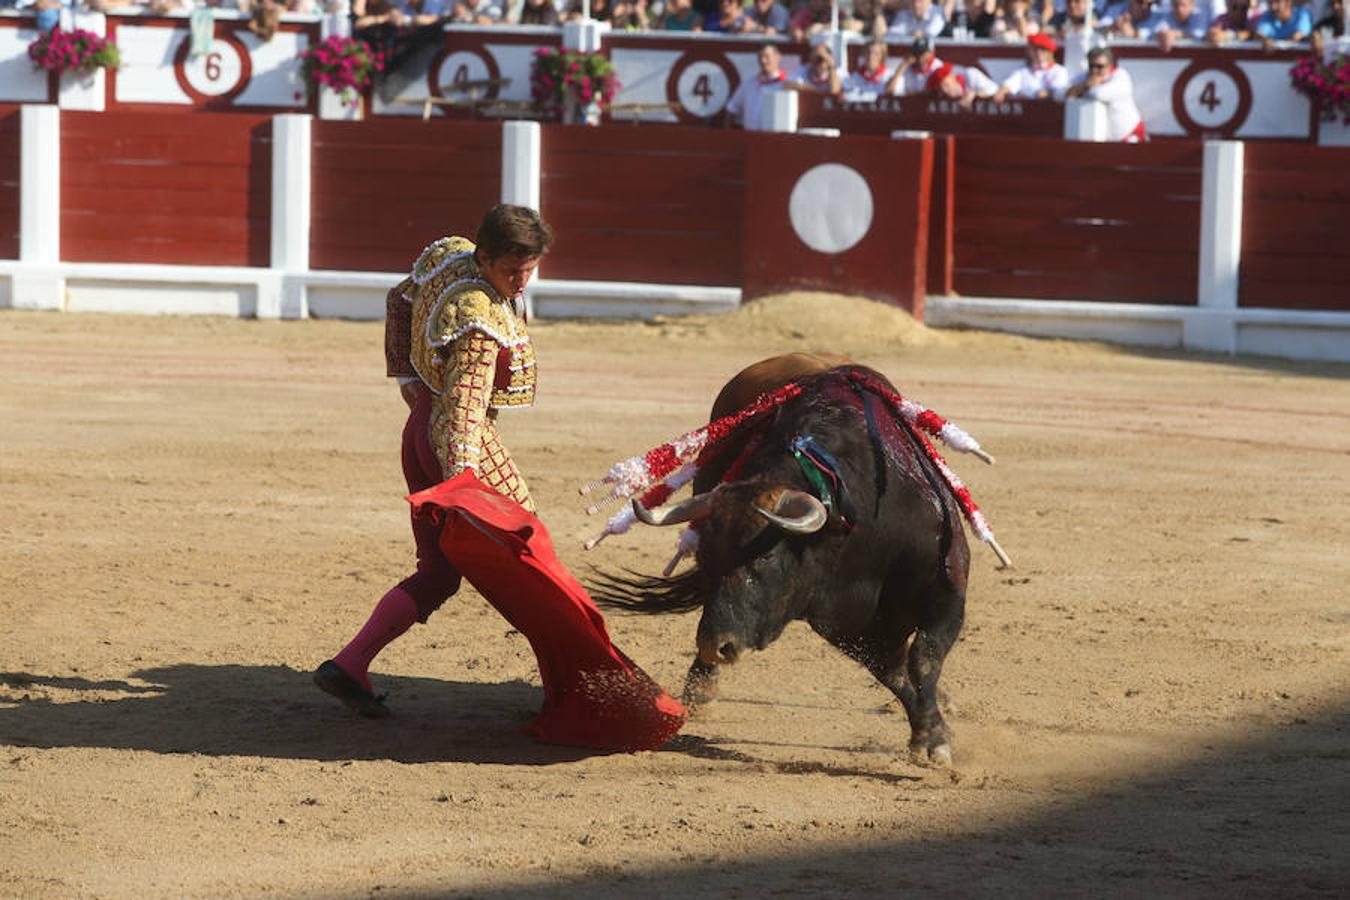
x=594, y=695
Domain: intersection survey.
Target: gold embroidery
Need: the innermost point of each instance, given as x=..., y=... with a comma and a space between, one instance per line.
x=459, y=326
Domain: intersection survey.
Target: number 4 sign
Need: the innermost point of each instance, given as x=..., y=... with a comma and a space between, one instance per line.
x=1212, y=99
x=701, y=83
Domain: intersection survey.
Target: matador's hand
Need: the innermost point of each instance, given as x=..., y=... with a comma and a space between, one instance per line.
x=411, y=390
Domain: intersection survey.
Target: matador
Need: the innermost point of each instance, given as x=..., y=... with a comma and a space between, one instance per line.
x=455, y=338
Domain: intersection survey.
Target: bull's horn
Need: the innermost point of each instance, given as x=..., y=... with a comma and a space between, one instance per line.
x=797, y=512
x=696, y=507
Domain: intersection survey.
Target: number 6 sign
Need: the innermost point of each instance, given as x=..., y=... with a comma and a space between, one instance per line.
x=1211, y=98
x=214, y=77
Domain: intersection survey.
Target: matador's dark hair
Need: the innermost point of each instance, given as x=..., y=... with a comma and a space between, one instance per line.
x=509, y=230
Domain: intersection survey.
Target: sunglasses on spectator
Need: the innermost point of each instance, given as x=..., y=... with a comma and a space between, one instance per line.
x=1097, y=66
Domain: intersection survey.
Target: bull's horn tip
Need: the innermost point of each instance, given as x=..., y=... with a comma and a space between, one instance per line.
x=984, y=456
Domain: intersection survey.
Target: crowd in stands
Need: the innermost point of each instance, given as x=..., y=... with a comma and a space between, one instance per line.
x=396, y=26
x=1013, y=21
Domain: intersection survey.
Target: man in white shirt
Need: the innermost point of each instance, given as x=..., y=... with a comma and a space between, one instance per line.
x=818, y=73
x=960, y=83
x=869, y=80
x=1040, y=77
x=1112, y=85
x=911, y=77
x=747, y=103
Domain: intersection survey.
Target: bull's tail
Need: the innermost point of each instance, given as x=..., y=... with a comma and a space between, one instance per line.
x=635, y=592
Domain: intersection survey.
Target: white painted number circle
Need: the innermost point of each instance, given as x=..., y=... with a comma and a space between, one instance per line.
x=1211, y=98
x=831, y=208
x=216, y=72
x=459, y=68
x=703, y=88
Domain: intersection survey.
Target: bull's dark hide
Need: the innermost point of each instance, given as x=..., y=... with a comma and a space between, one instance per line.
x=890, y=591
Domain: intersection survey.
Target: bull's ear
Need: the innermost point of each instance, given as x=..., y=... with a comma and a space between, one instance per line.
x=796, y=512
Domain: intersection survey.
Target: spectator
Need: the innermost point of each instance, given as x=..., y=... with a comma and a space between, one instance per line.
x=1234, y=25
x=866, y=19
x=923, y=17
x=872, y=74
x=767, y=17
x=819, y=73
x=372, y=20
x=708, y=9
x=1331, y=26
x=539, y=12
x=964, y=85
x=1073, y=18
x=629, y=15
x=681, y=16
x=811, y=18
x=461, y=12
x=747, y=103
x=976, y=16
x=1040, y=77
x=911, y=76
x=1112, y=85
x=265, y=18
x=731, y=18
x=1333, y=21
x=1015, y=24
x=1284, y=22
x=1182, y=22
x=1129, y=19
x=46, y=12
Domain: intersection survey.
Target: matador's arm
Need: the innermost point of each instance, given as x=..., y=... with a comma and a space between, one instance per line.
x=398, y=332
x=471, y=366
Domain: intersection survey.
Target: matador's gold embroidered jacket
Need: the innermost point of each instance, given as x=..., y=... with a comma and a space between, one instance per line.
x=468, y=345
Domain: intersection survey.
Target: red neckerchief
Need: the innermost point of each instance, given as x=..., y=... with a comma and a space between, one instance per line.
x=874, y=79
x=810, y=76
x=961, y=80
x=781, y=76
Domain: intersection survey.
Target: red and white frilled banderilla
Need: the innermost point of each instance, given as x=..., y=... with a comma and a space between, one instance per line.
x=652, y=477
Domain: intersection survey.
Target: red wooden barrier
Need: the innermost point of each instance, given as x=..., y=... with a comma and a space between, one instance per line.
x=1052, y=219
x=805, y=198
x=647, y=203
x=151, y=188
x=383, y=190
x=9, y=181
x=1295, y=235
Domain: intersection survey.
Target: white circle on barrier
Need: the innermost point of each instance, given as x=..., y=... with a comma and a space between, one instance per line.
x=703, y=88
x=1211, y=98
x=216, y=72
x=831, y=208
x=461, y=67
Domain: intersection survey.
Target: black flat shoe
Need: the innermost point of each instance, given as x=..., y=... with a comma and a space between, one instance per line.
x=332, y=680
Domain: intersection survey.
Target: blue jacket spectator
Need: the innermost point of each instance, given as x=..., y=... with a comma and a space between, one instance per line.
x=1285, y=22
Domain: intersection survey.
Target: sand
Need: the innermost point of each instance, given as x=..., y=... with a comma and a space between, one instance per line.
x=198, y=511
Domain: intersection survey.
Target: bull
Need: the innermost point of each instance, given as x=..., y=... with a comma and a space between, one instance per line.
x=878, y=567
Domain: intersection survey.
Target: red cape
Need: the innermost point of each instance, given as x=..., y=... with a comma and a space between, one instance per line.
x=594, y=696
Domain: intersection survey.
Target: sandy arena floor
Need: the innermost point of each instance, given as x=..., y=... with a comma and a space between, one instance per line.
x=196, y=512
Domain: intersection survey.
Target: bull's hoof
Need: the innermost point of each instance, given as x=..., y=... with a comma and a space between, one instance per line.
x=332, y=680
x=933, y=751
x=699, y=690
